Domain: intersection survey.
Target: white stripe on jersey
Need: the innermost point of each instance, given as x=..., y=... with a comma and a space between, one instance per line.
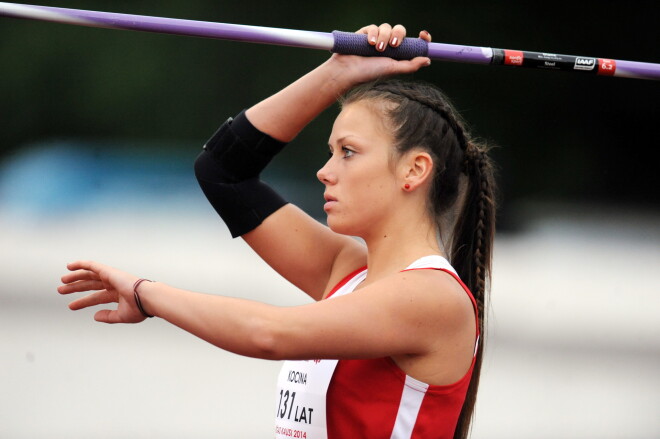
x=411, y=402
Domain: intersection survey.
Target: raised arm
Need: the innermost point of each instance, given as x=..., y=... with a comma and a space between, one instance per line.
x=295, y=245
x=286, y=113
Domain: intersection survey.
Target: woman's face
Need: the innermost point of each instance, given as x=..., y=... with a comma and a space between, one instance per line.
x=360, y=181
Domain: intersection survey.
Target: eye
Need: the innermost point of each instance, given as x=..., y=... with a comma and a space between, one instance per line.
x=347, y=152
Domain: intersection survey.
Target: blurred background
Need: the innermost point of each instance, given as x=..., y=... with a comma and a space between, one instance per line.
x=99, y=130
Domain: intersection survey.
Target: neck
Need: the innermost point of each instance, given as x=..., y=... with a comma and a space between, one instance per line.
x=393, y=247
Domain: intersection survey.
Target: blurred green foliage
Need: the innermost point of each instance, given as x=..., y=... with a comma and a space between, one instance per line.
x=559, y=135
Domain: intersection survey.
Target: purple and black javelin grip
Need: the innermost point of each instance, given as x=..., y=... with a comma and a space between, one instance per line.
x=348, y=43
x=339, y=42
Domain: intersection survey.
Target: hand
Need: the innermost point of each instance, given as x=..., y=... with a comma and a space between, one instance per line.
x=381, y=36
x=109, y=285
x=356, y=69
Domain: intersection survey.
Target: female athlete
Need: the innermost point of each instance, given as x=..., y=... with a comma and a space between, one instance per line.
x=392, y=345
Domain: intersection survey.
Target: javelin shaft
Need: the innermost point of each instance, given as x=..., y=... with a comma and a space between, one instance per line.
x=206, y=29
x=339, y=42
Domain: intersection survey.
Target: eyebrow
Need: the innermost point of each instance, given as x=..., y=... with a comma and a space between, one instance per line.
x=342, y=139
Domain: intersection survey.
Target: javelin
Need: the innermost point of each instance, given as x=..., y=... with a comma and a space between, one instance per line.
x=337, y=42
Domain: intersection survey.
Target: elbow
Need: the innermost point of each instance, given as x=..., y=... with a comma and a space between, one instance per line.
x=268, y=340
x=207, y=169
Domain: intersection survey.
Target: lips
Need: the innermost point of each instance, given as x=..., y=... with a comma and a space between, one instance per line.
x=329, y=202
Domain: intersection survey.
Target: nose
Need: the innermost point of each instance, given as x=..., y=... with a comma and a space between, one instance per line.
x=325, y=174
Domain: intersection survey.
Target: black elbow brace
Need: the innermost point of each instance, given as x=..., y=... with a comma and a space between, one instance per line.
x=228, y=172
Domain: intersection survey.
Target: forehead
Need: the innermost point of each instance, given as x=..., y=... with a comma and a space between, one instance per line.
x=363, y=120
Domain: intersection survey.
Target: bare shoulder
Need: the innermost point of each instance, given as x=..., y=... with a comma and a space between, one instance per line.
x=440, y=313
x=438, y=284
x=431, y=296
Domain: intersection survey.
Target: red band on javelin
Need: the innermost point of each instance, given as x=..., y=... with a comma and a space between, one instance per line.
x=513, y=57
x=606, y=67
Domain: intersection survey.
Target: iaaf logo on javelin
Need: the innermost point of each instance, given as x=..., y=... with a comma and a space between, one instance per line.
x=584, y=63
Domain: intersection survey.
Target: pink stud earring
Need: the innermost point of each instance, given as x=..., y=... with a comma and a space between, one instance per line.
x=406, y=186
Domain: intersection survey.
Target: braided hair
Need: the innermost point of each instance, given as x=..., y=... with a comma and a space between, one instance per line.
x=462, y=195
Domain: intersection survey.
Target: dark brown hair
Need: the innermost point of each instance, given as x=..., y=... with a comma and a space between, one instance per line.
x=462, y=195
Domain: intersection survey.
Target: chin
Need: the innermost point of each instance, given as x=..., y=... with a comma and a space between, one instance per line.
x=343, y=227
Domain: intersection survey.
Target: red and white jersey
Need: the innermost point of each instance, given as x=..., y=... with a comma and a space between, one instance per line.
x=370, y=398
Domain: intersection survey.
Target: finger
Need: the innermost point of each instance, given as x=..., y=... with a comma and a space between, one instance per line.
x=398, y=34
x=113, y=316
x=409, y=66
x=93, y=299
x=107, y=316
x=424, y=35
x=79, y=286
x=103, y=316
x=79, y=275
x=419, y=62
x=384, y=34
x=85, y=265
x=372, y=33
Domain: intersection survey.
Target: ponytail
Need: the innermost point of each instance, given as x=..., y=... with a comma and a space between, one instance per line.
x=471, y=256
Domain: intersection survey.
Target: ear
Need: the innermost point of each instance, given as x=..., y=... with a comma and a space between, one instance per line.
x=417, y=168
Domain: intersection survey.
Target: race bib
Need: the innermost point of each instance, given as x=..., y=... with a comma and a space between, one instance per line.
x=302, y=387
x=300, y=399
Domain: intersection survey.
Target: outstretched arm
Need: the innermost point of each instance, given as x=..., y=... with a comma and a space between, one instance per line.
x=414, y=312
